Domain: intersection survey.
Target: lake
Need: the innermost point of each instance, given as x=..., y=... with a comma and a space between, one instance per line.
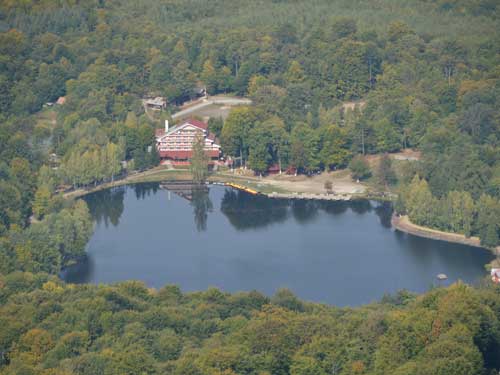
x=340, y=253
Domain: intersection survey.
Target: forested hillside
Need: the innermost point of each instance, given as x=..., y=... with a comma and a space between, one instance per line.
x=331, y=81
x=52, y=328
x=420, y=74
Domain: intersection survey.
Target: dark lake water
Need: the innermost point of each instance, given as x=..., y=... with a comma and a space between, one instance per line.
x=341, y=253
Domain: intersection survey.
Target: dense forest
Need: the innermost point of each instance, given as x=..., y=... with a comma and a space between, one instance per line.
x=49, y=327
x=331, y=82
x=420, y=74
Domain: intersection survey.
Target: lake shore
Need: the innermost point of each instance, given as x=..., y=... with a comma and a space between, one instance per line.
x=272, y=188
x=151, y=175
x=403, y=224
x=275, y=186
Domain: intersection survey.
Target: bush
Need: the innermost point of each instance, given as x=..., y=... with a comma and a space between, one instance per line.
x=360, y=169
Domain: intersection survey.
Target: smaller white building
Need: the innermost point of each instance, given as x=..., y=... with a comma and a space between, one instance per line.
x=157, y=103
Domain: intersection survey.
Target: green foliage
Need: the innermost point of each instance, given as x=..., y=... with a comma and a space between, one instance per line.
x=199, y=161
x=129, y=329
x=360, y=169
x=305, y=147
x=487, y=222
x=420, y=204
x=235, y=132
x=456, y=212
x=335, y=149
x=268, y=144
x=99, y=164
x=41, y=204
x=424, y=75
x=385, y=174
x=285, y=298
x=215, y=125
x=48, y=245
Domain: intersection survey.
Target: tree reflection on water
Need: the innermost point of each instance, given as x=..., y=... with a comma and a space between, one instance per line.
x=106, y=205
x=145, y=189
x=245, y=211
x=202, y=205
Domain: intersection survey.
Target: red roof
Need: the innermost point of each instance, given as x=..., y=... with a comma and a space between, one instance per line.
x=197, y=123
x=275, y=168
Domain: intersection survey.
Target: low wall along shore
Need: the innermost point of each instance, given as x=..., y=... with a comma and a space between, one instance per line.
x=328, y=197
x=403, y=224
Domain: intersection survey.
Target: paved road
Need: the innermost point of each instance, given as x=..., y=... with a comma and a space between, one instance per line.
x=224, y=100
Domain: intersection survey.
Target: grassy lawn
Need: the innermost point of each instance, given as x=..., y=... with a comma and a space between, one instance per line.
x=252, y=183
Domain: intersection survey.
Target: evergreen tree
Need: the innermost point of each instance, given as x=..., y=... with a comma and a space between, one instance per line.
x=140, y=159
x=154, y=157
x=199, y=161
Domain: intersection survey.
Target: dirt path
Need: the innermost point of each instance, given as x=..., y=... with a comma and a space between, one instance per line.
x=217, y=100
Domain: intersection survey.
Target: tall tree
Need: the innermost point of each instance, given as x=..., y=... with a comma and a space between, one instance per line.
x=235, y=132
x=199, y=161
x=385, y=173
x=360, y=169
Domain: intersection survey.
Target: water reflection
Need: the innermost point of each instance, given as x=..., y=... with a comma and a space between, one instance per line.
x=336, y=252
x=335, y=208
x=304, y=210
x=384, y=212
x=146, y=189
x=81, y=272
x=202, y=205
x=106, y=206
x=360, y=206
x=245, y=211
